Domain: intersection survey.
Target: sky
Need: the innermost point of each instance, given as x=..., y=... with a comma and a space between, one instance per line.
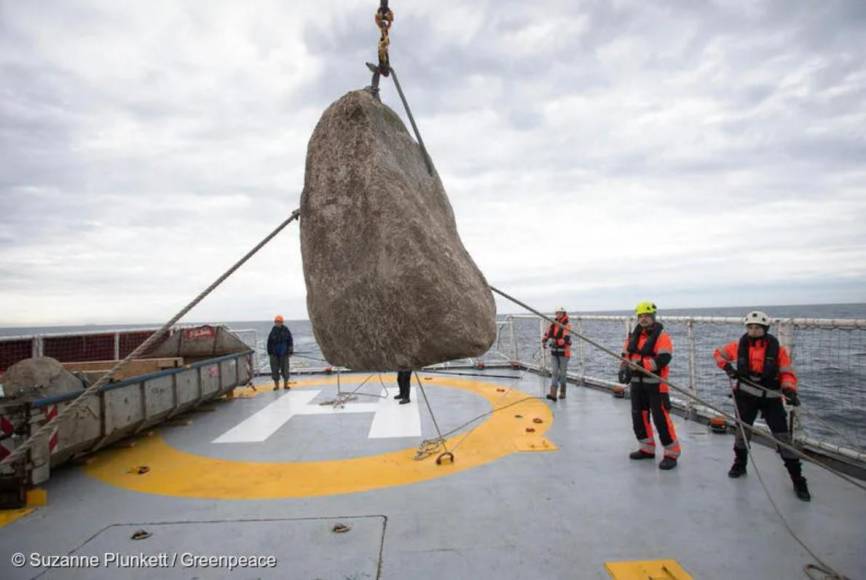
x=595, y=153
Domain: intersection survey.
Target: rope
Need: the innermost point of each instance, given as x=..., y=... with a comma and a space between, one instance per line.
x=686, y=393
x=823, y=567
x=143, y=347
x=342, y=398
x=490, y=376
x=425, y=447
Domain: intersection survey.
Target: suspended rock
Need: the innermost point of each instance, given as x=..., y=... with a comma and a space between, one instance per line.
x=389, y=284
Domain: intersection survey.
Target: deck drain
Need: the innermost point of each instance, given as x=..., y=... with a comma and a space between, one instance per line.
x=140, y=535
x=140, y=470
x=341, y=528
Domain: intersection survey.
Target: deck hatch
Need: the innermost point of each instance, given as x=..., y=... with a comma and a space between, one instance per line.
x=303, y=547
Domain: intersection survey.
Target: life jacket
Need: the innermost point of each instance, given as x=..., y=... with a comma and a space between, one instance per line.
x=559, y=333
x=764, y=352
x=643, y=347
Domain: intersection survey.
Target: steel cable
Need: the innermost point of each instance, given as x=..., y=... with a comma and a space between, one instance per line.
x=143, y=347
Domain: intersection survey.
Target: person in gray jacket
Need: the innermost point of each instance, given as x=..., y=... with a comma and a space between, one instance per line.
x=280, y=348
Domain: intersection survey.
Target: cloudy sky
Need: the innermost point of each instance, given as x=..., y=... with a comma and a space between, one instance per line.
x=595, y=153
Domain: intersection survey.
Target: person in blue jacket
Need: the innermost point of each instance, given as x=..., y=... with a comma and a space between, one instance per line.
x=280, y=348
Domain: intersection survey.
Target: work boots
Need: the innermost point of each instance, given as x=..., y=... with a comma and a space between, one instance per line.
x=552, y=394
x=276, y=385
x=795, y=470
x=739, y=467
x=668, y=463
x=641, y=455
x=286, y=384
x=562, y=391
x=801, y=489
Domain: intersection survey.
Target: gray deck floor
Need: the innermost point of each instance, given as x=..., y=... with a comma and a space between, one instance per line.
x=558, y=514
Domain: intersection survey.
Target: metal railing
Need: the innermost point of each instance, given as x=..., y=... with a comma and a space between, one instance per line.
x=829, y=358
x=104, y=344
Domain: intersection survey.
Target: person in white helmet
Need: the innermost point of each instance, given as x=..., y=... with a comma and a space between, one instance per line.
x=762, y=374
x=558, y=340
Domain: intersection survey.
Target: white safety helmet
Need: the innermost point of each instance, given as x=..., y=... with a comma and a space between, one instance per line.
x=561, y=309
x=757, y=317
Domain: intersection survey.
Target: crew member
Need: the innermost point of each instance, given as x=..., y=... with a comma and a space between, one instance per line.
x=650, y=347
x=558, y=339
x=762, y=374
x=404, y=381
x=280, y=348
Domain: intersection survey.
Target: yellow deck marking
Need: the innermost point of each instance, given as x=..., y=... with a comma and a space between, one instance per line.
x=9, y=516
x=647, y=570
x=537, y=443
x=179, y=473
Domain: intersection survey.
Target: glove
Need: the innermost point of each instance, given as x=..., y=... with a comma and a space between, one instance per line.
x=792, y=397
x=730, y=370
x=624, y=375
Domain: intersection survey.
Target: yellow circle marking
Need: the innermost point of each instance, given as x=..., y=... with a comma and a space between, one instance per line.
x=179, y=473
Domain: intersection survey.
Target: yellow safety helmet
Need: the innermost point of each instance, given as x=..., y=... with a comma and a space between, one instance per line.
x=645, y=307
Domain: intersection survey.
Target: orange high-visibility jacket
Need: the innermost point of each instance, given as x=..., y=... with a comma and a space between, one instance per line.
x=559, y=332
x=664, y=345
x=757, y=351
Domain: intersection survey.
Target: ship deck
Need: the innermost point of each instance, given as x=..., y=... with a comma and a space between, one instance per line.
x=272, y=473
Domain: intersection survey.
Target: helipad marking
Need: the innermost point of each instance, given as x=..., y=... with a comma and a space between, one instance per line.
x=394, y=420
x=180, y=473
x=390, y=419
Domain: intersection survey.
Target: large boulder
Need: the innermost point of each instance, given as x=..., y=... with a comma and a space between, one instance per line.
x=389, y=284
x=37, y=378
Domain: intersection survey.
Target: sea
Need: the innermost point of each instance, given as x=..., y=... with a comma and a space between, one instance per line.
x=830, y=363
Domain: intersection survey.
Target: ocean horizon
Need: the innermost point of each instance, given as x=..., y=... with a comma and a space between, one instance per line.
x=852, y=310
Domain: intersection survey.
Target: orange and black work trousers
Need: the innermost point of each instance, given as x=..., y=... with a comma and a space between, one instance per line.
x=773, y=411
x=646, y=400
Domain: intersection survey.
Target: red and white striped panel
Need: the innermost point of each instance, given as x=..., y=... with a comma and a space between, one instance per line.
x=6, y=443
x=50, y=413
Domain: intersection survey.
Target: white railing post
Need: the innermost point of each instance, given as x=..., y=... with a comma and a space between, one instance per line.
x=514, y=352
x=541, y=329
x=786, y=339
x=581, y=355
x=693, y=380
x=116, y=346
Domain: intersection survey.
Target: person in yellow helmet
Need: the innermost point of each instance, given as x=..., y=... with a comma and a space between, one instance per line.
x=651, y=348
x=280, y=348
